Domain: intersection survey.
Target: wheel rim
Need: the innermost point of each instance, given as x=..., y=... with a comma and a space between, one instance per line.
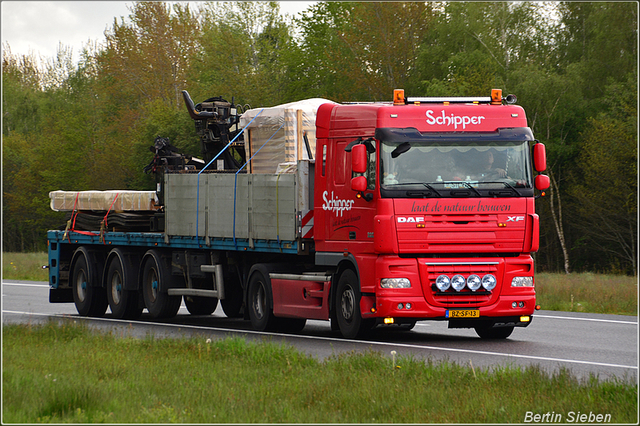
x=259, y=301
x=116, y=287
x=81, y=285
x=152, y=284
x=347, y=303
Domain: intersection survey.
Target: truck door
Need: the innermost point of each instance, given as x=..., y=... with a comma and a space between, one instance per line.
x=348, y=214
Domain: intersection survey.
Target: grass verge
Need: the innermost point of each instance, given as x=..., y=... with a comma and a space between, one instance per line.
x=25, y=266
x=587, y=292
x=66, y=372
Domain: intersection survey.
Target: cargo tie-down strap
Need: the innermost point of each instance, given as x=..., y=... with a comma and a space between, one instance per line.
x=71, y=223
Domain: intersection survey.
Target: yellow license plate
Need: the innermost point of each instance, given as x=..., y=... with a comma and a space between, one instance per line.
x=462, y=313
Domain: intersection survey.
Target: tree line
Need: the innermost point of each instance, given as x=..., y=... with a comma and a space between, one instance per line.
x=573, y=66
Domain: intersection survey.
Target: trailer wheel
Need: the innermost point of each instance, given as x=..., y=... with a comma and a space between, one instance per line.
x=260, y=312
x=197, y=305
x=347, y=305
x=123, y=303
x=494, y=332
x=155, y=277
x=90, y=300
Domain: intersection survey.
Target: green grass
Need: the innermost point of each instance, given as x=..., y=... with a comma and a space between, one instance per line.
x=580, y=292
x=25, y=266
x=586, y=292
x=67, y=372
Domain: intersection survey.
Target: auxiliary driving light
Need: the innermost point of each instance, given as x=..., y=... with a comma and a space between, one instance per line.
x=443, y=283
x=489, y=282
x=474, y=282
x=458, y=282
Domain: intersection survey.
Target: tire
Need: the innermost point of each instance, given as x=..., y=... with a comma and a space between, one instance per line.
x=197, y=305
x=494, y=332
x=290, y=325
x=89, y=298
x=347, y=305
x=123, y=303
x=260, y=313
x=156, y=277
x=232, y=302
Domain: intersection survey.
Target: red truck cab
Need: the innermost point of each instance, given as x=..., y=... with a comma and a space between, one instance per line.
x=426, y=208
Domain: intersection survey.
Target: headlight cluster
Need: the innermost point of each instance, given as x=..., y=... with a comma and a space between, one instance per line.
x=395, y=283
x=473, y=282
x=522, y=282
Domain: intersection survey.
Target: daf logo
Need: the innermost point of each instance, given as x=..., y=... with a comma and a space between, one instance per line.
x=410, y=219
x=515, y=218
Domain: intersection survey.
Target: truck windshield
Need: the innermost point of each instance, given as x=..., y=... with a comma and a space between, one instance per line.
x=453, y=168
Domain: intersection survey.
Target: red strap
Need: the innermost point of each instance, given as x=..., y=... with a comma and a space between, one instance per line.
x=112, y=203
x=73, y=224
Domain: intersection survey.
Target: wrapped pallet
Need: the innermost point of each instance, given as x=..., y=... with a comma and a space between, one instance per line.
x=276, y=134
x=102, y=201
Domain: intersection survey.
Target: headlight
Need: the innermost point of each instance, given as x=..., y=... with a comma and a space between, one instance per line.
x=522, y=282
x=458, y=282
x=395, y=283
x=489, y=282
x=443, y=283
x=474, y=282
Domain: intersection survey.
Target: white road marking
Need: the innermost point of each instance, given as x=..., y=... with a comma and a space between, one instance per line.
x=331, y=339
x=587, y=319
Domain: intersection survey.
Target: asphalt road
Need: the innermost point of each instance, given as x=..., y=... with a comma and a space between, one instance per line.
x=587, y=344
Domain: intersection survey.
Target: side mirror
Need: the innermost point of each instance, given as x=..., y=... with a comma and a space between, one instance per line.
x=539, y=157
x=359, y=184
x=359, y=159
x=542, y=182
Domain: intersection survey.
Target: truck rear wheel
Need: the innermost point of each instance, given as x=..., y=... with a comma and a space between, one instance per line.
x=123, y=303
x=260, y=312
x=197, y=305
x=90, y=299
x=350, y=320
x=232, y=302
x=494, y=332
x=155, y=280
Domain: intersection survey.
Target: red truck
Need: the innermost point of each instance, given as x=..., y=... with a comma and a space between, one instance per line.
x=366, y=215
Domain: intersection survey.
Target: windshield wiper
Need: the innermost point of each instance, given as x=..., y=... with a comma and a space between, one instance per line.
x=506, y=185
x=468, y=185
x=432, y=189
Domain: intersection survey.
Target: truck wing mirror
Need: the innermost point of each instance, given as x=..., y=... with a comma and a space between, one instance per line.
x=539, y=157
x=542, y=182
x=359, y=159
x=359, y=184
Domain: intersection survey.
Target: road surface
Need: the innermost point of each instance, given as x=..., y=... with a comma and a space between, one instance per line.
x=586, y=344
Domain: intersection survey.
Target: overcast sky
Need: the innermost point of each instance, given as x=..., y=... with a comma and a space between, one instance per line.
x=39, y=27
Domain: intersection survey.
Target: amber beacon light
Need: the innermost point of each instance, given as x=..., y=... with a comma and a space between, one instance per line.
x=398, y=97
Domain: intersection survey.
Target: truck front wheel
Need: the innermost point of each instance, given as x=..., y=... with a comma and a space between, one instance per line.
x=494, y=332
x=350, y=320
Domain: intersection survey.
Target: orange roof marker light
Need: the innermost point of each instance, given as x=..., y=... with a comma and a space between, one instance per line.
x=398, y=96
x=496, y=96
